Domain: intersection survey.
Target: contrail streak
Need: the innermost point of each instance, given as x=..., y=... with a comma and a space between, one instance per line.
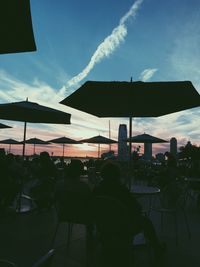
x=108, y=46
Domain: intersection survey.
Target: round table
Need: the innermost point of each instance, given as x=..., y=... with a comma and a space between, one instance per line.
x=191, y=179
x=144, y=190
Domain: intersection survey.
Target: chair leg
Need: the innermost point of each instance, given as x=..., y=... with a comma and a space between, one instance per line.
x=90, y=246
x=69, y=233
x=161, y=218
x=176, y=227
x=187, y=224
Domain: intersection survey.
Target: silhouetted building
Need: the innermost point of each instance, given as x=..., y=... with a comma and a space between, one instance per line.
x=147, y=151
x=122, y=144
x=173, y=146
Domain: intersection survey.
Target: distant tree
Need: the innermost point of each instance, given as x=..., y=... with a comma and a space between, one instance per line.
x=189, y=151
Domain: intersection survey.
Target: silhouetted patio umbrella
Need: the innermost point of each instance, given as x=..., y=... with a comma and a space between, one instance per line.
x=35, y=141
x=99, y=139
x=3, y=126
x=27, y=111
x=16, y=27
x=10, y=142
x=64, y=140
x=133, y=99
x=146, y=138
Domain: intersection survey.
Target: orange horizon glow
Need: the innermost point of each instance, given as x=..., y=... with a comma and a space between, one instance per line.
x=80, y=150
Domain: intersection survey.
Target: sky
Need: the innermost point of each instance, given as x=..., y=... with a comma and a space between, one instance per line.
x=107, y=40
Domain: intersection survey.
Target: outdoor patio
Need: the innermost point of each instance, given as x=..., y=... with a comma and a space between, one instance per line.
x=26, y=237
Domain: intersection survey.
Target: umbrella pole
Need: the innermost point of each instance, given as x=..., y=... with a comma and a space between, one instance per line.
x=63, y=154
x=109, y=135
x=21, y=189
x=130, y=150
x=24, y=140
x=98, y=151
x=33, y=149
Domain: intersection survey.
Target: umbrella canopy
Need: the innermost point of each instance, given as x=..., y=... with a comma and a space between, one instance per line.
x=133, y=99
x=27, y=111
x=35, y=141
x=146, y=138
x=99, y=140
x=16, y=27
x=3, y=126
x=64, y=140
x=32, y=112
x=10, y=142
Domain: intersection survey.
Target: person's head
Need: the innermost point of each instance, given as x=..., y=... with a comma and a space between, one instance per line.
x=110, y=172
x=44, y=156
x=75, y=168
x=2, y=153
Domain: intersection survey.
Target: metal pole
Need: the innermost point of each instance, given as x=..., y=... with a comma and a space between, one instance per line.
x=109, y=135
x=24, y=140
x=130, y=150
x=63, y=150
x=98, y=151
x=130, y=135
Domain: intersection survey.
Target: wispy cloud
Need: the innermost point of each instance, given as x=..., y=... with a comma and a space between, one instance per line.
x=184, y=61
x=13, y=90
x=147, y=74
x=108, y=46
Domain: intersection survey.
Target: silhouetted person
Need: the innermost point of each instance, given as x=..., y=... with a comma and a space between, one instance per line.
x=111, y=186
x=46, y=173
x=72, y=194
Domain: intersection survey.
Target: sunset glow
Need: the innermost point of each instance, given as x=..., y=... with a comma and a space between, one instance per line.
x=145, y=40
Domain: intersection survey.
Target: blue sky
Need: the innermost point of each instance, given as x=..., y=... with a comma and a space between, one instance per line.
x=150, y=40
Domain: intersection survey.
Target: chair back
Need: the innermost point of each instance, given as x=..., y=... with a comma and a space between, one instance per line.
x=45, y=260
x=6, y=263
x=110, y=215
x=112, y=222
x=73, y=207
x=172, y=196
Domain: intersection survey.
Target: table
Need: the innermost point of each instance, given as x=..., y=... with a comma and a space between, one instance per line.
x=191, y=179
x=142, y=191
x=192, y=189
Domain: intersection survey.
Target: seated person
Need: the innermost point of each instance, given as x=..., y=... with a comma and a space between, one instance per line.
x=111, y=186
x=73, y=195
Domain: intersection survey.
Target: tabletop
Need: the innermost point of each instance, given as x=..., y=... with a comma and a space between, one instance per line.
x=191, y=179
x=144, y=190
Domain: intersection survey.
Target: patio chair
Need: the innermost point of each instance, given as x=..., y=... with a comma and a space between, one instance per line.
x=7, y=263
x=113, y=231
x=45, y=260
x=73, y=208
x=173, y=201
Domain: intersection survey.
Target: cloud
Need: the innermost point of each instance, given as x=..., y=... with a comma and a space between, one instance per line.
x=147, y=74
x=184, y=61
x=108, y=46
x=13, y=90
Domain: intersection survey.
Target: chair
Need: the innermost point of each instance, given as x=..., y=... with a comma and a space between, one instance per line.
x=45, y=260
x=173, y=200
x=114, y=229
x=73, y=208
x=6, y=263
